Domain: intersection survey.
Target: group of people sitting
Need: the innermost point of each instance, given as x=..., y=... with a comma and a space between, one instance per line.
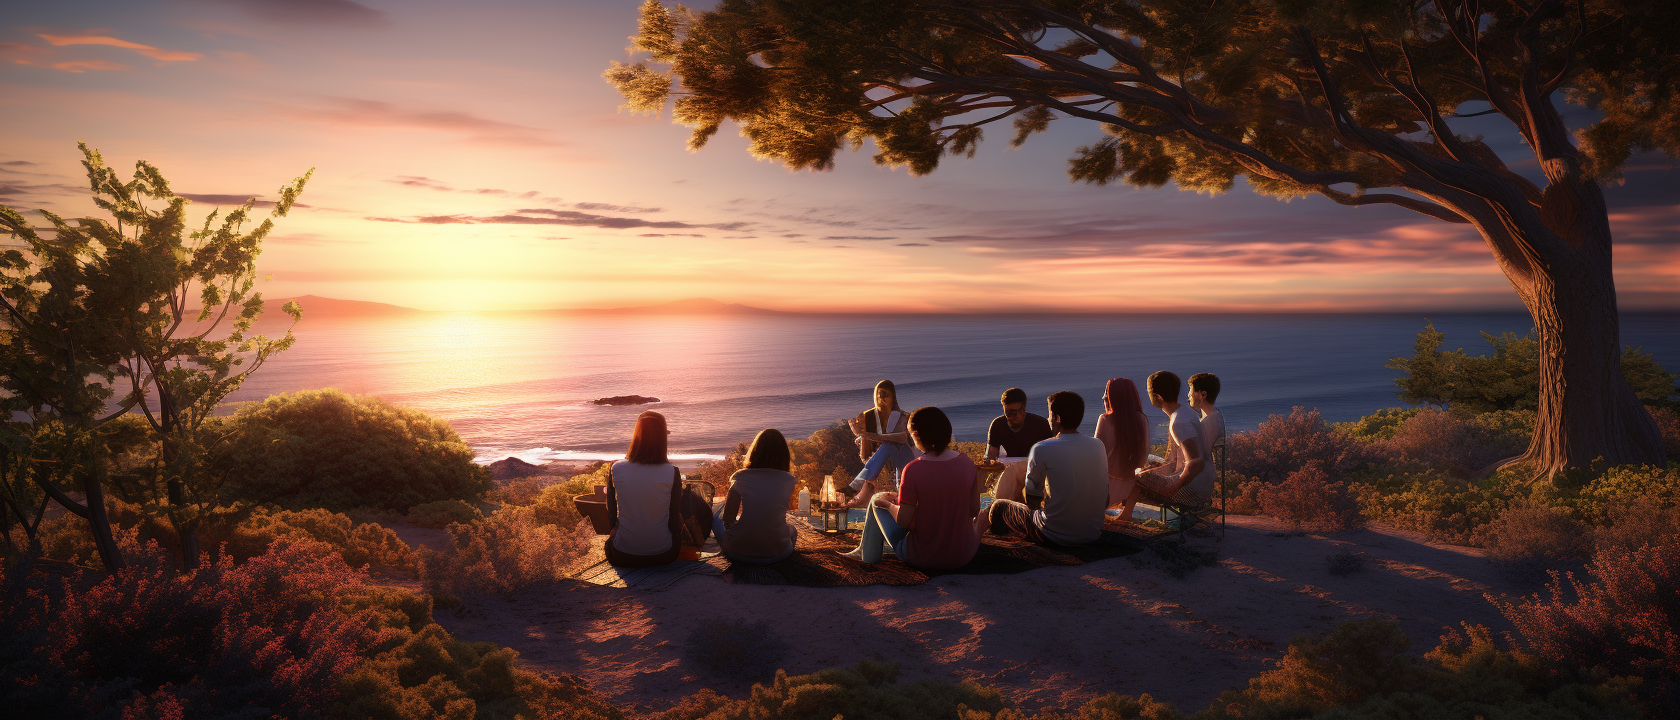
x=1055, y=486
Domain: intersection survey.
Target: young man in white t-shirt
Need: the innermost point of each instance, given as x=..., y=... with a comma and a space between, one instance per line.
x=1204, y=390
x=1190, y=480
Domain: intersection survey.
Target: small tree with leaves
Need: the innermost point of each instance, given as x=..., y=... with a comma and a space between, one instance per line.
x=1352, y=101
x=119, y=295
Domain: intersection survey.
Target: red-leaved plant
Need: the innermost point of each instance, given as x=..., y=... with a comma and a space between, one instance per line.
x=1284, y=444
x=1625, y=620
x=267, y=637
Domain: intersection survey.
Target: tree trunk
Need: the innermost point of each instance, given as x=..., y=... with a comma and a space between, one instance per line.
x=94, y=488
x=1587, y=409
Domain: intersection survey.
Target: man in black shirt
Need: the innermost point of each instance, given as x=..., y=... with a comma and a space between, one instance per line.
x=1011, y=436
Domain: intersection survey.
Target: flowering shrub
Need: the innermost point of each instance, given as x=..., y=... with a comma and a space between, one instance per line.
x=442, y=513
x=266, y=637
x=1532, y=540
x=1624, y=620
x=503, y=553
x=1284, y=444
x=1309, y=501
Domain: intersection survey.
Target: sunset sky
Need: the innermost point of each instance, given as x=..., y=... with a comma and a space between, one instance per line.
x=469, y=156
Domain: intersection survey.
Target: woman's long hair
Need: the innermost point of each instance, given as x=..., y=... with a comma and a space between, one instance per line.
x=1124, y=413
x=889, y=386
x=770, y=450
x=648, y=442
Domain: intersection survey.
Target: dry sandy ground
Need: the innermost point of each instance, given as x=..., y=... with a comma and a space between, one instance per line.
x=1049, y=637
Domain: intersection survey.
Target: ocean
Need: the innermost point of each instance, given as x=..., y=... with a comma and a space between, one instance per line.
x=521, y=385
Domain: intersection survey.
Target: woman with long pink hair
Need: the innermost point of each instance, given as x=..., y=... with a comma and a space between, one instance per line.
x=1124, y=431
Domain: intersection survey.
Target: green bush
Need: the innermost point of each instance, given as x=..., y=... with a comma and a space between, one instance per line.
x=326, y=449
x=1606, y=498
x=1507, y=380
x=1445, y=508
x=440, y=514
x=1380, y=425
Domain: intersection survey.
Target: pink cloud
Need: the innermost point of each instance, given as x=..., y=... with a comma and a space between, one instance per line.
x=154, y=53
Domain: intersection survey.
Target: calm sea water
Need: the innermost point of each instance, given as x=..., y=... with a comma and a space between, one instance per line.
x=520, y=385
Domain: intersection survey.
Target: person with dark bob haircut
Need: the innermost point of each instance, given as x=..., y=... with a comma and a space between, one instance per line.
x=930, y=522
x=651, y=513
x=1067, y=484
x=752, y=527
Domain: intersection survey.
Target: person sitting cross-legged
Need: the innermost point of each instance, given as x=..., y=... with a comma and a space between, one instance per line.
x=929, y=522
x=1190, y=480
x=1008, y=440
x=752, y=526
x=1067, y=484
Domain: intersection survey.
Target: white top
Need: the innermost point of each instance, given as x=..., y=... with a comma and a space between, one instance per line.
x=1213, y=428
x=1186, y=428
x=643, y=494
x=1071, y=472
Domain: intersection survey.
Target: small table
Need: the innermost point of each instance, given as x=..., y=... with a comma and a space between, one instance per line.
x=834, y=519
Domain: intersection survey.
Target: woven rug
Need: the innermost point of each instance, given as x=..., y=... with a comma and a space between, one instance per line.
x=817, y=562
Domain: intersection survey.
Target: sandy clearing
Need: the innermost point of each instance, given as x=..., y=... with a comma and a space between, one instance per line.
x=1048, y=637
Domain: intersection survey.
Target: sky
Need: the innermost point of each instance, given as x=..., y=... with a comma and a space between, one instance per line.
x=468, y=156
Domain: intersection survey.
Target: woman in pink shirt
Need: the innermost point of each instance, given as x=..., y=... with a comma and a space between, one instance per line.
x=929, y=522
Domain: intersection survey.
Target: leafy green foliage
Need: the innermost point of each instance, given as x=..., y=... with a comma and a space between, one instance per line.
x=104, y=306
x=1509, y=379
x=323, y=448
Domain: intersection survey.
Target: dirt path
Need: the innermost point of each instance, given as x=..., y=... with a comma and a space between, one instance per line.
x=1054, y=636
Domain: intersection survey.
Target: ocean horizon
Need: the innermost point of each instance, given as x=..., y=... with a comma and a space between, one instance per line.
x=521, y=385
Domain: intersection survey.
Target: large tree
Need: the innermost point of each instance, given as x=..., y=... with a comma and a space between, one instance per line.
x=1348, y=100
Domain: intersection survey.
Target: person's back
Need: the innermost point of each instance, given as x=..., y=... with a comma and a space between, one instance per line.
x=762, y=530
x=1070, y=471
x=943, y=491
x=643, y=500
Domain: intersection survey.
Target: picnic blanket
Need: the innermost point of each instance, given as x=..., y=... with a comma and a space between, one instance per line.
x=816, y=561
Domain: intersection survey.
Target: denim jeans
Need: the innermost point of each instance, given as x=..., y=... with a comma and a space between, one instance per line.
x=717, y=532
x=899, y=453
x=881, y=533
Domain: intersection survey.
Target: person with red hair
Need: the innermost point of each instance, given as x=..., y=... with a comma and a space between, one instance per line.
x=1124, y=432
x=651, y=513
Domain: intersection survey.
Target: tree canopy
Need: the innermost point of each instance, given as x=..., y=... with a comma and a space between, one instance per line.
x=1350, y=100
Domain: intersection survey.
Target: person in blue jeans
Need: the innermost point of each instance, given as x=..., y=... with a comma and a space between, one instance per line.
x=883, y=439
x=929, y=523
x=752, y=526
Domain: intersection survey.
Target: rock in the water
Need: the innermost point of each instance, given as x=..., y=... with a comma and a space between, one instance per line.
x=619, y=400
x=513, y=468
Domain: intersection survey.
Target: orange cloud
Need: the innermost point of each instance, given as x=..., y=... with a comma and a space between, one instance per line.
x=147, y=50
x=77, y=66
